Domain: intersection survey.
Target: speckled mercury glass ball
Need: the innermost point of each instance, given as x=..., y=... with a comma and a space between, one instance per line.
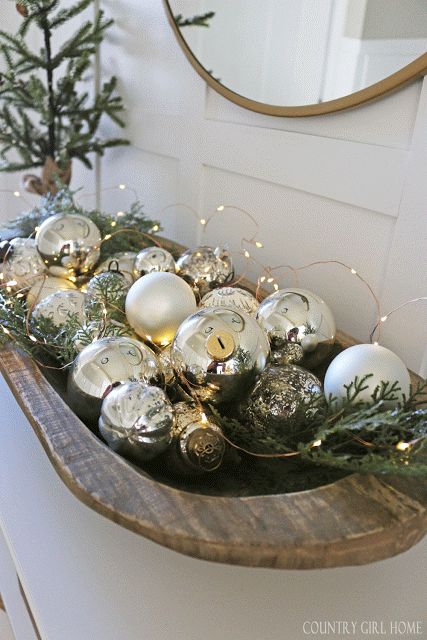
x=153, y=259
x=231, y=297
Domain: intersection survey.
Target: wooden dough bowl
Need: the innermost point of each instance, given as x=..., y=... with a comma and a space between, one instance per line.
x=355, y=520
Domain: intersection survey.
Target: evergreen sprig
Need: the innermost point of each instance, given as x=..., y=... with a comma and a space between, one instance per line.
x=201, y=20
x=49, y=116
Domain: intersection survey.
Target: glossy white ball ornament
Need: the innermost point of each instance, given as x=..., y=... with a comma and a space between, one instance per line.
x=363, y=359
x=157, y=304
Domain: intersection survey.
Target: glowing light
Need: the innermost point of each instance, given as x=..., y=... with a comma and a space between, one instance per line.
x=1, y=276
x=11, y=283
x=259, y=245
x=316, y=443
x=16, y=194
x=203, y=418
x=165, y=342
x=5, y=330
x=33, y=339
x=120, y=214
x=114, y=223
x=384, y=318
x=149, y=338
x=270, y=280
x=108, y=236
x=202, y=221
x=220, y=208
x=276, y=286
x=155, y=228
x=73, y=278
x=354, y=272
x=402, y=446
x=375, y=344
x=262, y=279
x=36, y=229
x=20, y=295
x=247, y=254
x=122, y=187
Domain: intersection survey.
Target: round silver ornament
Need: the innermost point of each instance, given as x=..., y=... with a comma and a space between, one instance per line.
x=102, y=365
x=153, y=259
x=69, y=244
x=278, y=394
x=231, y=297
x=122, y=262
x=22, y=265
x=107, y=288
x=157, y=304
x=288, y=353
x=60, y=305
x=381, y=364
x=206, y=268
x=137, y=421
x=45, y=286
x=301, y=317
x=198, y=445
x=220, y=352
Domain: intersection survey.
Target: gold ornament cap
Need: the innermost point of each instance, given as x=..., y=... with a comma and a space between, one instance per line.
x=220, y=345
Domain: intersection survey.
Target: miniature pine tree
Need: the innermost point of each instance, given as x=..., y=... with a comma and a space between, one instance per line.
x=46, y=120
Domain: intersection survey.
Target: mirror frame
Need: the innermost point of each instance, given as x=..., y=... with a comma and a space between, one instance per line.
x=413, y=71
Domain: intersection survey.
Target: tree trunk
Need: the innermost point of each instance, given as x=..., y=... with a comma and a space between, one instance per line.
x=48, y=182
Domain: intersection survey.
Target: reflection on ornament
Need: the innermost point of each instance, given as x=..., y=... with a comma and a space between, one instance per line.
x=365, y=359
x=157, y=304
x=45, y=286
x=197, y=445
x=22, y=265
x=153, y=259
x=137, y=421
x=288, y=353
x=60, y=305
x=103, y=364
x=122, y=262
x=69, y=244
x=299, y=316
x=220, y=352
x=231, y=297
x=278, y=394
x=206, y=268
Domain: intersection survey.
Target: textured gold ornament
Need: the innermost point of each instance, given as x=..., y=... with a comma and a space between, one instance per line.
x=299, y=316
x=220, y=352
x=153, y=259
x=137, y=421
x=231, y=297
x=206, y=268
x=69, y=244
x=102, y=365
x=45, y=286
x=23, y=265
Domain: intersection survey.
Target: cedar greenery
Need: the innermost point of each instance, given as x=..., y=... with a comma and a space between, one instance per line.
x=43, y=111
x=195, y=21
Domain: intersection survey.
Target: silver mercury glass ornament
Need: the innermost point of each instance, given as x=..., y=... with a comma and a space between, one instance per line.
x=60, y=305
x=205, y=268
x=220, y=353
x=122, y=262
x=278, y=394
x=197, y=446
x=137, y=421
x=22, y=265
x=231, y=297
x=153, y=259
x=102, y=365
x=107, y=288
x=301, y=317
x=69, y=244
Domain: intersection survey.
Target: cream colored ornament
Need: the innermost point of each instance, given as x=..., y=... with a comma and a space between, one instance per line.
x=45, y=286
x=365, y=359
x=123, y=262
x=153, y=259
x=69, y=244
x=231, y=297
x=60, y=305
x=157, y=304
x=23, y=264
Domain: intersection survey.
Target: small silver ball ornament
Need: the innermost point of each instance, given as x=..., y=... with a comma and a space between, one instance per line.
x=137, y=421
x=220, y=352
x=60, y=305
x=122, y=261
x=153, y=259
x=107, y=288
x=69, y=244
x=205, y=268
x=102, y=365
x=231, y=297
x=278, y=394
x=299, y=316
x=22, y=265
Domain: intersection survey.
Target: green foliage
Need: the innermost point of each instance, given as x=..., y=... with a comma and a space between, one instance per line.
x=53, y=117
x=195, y=21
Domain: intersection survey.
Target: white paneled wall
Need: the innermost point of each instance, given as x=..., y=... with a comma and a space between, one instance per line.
x=348, y=186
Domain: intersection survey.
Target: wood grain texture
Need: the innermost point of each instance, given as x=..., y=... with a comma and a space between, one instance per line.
x=356, y=520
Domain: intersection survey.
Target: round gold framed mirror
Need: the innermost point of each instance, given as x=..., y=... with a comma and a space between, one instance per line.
x=312, y=57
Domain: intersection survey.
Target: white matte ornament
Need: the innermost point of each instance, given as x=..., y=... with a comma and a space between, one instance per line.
x=45, y=286
x=157, y=304
x=363, y=359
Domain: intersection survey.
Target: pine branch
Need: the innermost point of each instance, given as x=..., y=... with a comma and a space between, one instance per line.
x=196, y=21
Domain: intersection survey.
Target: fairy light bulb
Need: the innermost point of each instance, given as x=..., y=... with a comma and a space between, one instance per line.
x=220, y=208
x=122, y=187
x=402, y=446
x=202, y=221
x=247, y=254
